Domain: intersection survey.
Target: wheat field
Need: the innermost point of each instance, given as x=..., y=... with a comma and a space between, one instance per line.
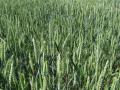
x=59, y=45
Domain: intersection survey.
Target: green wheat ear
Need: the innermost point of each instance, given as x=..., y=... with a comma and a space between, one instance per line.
x=2, y=44
x=1, y=50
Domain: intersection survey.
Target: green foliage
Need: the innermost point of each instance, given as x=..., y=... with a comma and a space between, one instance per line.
x=59, y=44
